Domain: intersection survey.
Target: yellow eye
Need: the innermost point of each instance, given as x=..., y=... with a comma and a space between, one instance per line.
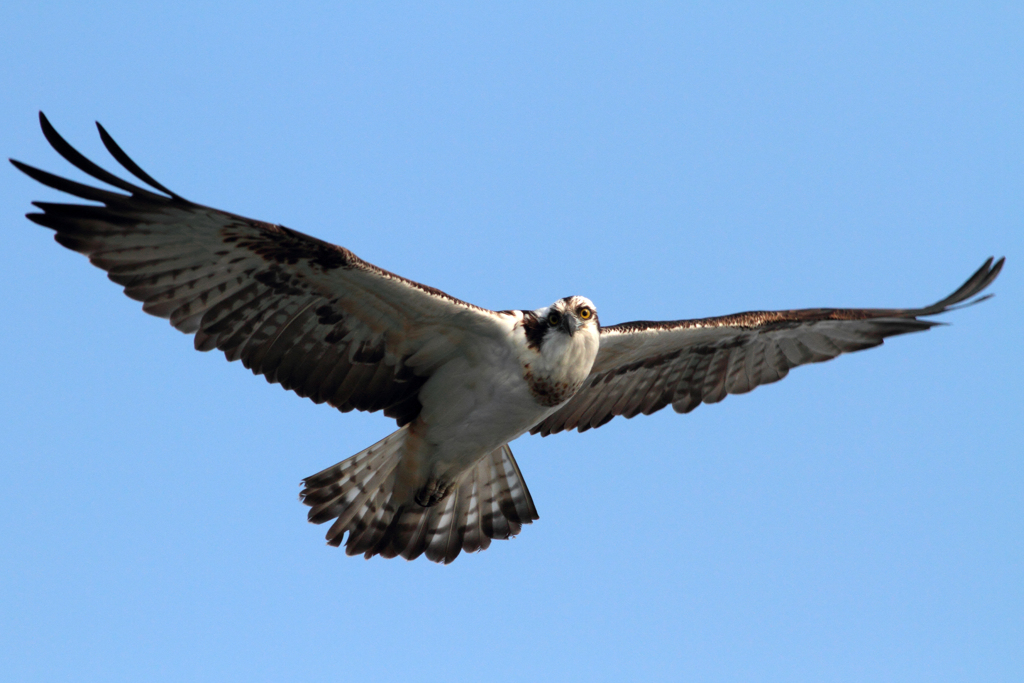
x=554, y=319
x=585, y=313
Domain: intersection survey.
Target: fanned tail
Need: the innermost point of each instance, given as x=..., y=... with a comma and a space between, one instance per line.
x=490, y=501
x=355, y=489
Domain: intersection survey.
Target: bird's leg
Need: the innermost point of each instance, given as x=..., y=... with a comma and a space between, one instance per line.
x=433, y=492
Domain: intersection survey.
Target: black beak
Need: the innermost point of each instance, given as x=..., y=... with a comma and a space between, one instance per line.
x=570, y=324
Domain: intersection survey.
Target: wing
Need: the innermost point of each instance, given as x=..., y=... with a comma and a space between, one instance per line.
x=307, y=314
x=643, y=366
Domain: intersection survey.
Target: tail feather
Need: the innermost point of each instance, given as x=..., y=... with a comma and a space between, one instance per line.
x=516, y=502
x=473, y=537
x=368, y=529
x=492, y=522
x=490, y=501
x=445, y=539
x=343, y=489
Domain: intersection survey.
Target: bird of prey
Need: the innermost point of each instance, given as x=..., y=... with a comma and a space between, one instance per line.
x=461, y=381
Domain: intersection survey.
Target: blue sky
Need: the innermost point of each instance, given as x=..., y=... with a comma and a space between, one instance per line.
x=861, y=520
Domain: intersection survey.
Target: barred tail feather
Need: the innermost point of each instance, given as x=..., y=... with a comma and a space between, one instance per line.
x=349, y=491
x=490, y=501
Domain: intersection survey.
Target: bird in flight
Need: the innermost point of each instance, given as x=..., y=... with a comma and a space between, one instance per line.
x=460, y=381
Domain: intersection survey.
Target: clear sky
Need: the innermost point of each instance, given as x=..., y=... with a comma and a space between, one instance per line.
x=859, y=521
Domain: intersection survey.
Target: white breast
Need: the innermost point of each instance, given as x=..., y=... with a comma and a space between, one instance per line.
x=479, y=402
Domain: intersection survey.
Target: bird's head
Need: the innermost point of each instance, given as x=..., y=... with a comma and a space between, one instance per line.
x=571, y=321
x=569, y=316
x=563, y=340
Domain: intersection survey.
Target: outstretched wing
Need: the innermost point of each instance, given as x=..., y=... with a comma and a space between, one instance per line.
x=307, y=314
x=643, y=366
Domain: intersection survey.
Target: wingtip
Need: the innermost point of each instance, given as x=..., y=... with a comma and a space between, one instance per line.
x=122, y=158
x=998, y=267
x=992, y=267
x=53, y=137
x=21, y=166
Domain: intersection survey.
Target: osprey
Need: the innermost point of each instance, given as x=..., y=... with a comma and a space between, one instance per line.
x=461, y=381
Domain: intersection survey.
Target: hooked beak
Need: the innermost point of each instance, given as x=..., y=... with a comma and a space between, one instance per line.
x=570, y=324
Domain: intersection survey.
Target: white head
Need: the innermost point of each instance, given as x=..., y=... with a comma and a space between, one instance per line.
x=569, y=325
x=561, y=343
x=568, y=316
